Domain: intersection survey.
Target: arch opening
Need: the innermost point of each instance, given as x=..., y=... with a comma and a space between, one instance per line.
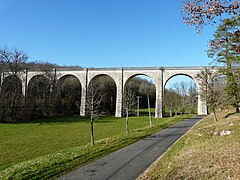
x=11, y=98
x=180, y=95
x=39, y=101
x=139, y=95
x=68, y=95
x=102, y=90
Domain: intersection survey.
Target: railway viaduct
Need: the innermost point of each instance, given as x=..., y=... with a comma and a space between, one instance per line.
x=159, y=75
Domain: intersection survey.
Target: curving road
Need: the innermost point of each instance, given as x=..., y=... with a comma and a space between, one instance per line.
x=128, y=163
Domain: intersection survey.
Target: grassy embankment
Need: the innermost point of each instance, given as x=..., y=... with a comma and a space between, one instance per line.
x=203, y=153
x=46, y=148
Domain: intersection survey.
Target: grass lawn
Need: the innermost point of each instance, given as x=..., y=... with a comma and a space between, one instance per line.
x=48, y=147
x=146, y=110
x=203, y=153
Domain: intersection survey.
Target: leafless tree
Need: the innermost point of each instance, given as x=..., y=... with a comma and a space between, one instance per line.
x=177, y=89
x=184, y=94
x=212, y=90
x=41, y=100
x=182, y=89
x=107, y=88
x=50, y=71
x=148, y=88
x=14, y=60
x=129, y=102
x=1, y=73
x=93, y=106
x=171, y=100
x=14, y=64
x=192, y=96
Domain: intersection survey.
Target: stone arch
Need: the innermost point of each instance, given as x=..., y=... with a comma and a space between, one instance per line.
x=181, y=74
x=142, y=92
x=63, y=78
x=68, y=94
x=186, y=91
x=38, y=97
x=101, y=75
x=12, y=82
x=108, y=88
x=138, y=74
x=129, y=75
x=11, y=98
x=37, y=84
x=202, y=107
x=156, y=74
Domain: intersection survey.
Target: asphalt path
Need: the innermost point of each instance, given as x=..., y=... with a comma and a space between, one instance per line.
x=129, y=162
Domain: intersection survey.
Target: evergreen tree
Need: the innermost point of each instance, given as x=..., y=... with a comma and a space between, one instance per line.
x=225, y=49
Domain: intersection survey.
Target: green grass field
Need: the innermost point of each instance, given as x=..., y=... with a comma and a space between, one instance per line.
x=28, y=149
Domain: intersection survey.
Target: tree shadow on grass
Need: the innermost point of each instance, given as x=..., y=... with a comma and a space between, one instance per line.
x=230, y=114
x=66, y=119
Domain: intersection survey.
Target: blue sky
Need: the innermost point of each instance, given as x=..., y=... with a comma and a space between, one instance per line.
x=103, y=33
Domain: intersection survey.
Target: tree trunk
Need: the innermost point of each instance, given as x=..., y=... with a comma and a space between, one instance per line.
x=149, y=111
x=215, y=115
x=237, y=109
x=175, y=111
x=192, y=110
x=170, y=111
x=127, y=128
x=92, y=134
x=92, y=113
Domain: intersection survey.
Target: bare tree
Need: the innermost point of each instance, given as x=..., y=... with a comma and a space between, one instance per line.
x=50, y=71
x=93, y=109
x=107, y=88
x=41, y=98
x=1, y=72
x=171, y=100
x=182, y=89
x=192, y=96
x=184, y=94
x=177, y=89
x=148, y=88
x=168, y=102
x=212, y=90
x=14, y=62
x=129, y=101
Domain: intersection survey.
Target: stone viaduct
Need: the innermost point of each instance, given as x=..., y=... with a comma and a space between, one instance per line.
x=159, y=75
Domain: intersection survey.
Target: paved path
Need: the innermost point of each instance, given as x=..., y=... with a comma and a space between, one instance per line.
x=131, y=161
